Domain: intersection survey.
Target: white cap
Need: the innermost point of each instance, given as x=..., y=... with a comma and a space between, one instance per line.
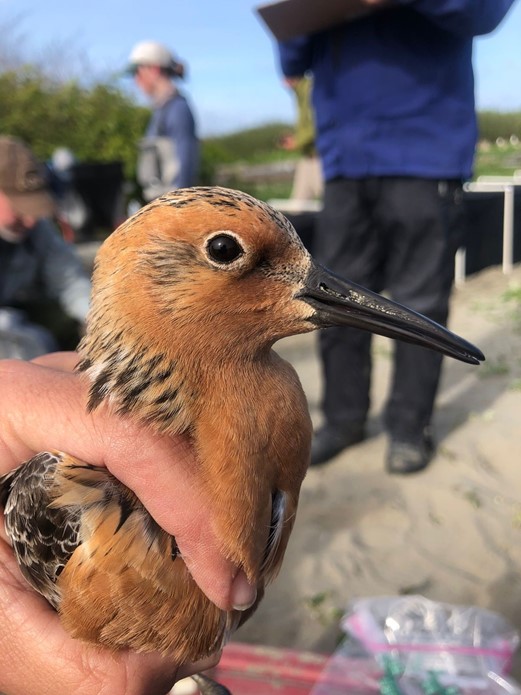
x=153, y=53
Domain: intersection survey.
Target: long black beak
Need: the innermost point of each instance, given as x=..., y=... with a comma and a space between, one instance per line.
x=339, y=302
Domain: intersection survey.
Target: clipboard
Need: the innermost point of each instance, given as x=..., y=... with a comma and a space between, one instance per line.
x=289, y=18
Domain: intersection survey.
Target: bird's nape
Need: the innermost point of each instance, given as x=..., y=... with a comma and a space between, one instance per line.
x=338, y=302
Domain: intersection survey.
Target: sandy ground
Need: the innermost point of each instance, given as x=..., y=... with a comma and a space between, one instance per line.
x=451, y=532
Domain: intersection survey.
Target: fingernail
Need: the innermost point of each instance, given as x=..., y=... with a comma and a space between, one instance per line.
x=243, y=593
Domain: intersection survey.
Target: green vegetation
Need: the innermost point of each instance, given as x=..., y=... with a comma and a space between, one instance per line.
x=513, y=295
x=472, y=496
x=254, y=145
x=493, y=125
x=492, y=368
x=511, y=298
x=322, y=608
x=492, y=160
x=99, y=122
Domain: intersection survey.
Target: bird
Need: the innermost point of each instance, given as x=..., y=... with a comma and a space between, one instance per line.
x=189, y=296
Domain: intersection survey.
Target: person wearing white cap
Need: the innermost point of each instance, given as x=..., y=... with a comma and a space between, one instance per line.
x=169, y=156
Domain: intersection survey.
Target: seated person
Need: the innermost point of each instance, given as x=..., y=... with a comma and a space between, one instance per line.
x=39, y=272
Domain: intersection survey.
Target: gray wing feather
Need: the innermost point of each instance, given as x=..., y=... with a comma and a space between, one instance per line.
x=43, y=537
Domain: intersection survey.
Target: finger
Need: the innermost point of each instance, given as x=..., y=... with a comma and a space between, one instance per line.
x=41, y=408
x=65, y=361
x=160, y=470
x=166, y=482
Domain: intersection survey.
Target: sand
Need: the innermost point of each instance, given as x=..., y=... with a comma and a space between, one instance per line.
x=451, y=532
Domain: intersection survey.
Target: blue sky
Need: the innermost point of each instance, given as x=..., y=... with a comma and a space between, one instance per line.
x=233, y=79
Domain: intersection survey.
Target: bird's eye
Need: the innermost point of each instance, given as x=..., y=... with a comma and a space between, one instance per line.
x=224, y=248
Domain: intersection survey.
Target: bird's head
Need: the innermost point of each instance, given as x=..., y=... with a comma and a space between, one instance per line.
x=218, y=273
x=201, y=270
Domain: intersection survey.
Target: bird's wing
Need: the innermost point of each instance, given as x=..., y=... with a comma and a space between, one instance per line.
x=271, y=561
x=131, y=571
x=43, y=537
x=87, y=544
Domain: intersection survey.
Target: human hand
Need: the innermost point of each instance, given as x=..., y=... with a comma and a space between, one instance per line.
x=37, y=657
x=292, y=82
x=42, y=406
x=288, y=142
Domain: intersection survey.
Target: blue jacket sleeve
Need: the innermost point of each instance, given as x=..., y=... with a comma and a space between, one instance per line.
x=295, y=56
x=462, y=17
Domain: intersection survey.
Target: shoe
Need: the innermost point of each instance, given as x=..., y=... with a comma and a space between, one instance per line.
x=328, y=442
x=405, y=457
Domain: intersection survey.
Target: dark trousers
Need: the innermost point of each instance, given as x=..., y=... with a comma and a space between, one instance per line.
x=398, y=235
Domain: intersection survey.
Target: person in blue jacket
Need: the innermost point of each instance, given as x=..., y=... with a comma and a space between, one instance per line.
x=172, y=122
x=396, y=132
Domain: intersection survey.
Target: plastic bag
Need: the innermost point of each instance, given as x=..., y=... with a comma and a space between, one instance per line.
x=413, y=639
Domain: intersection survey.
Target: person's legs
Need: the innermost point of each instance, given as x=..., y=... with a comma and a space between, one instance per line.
x=423, y=220
x=345, y=243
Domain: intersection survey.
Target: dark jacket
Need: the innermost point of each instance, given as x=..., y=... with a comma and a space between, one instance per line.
x=43, y=266
x=394, y=90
